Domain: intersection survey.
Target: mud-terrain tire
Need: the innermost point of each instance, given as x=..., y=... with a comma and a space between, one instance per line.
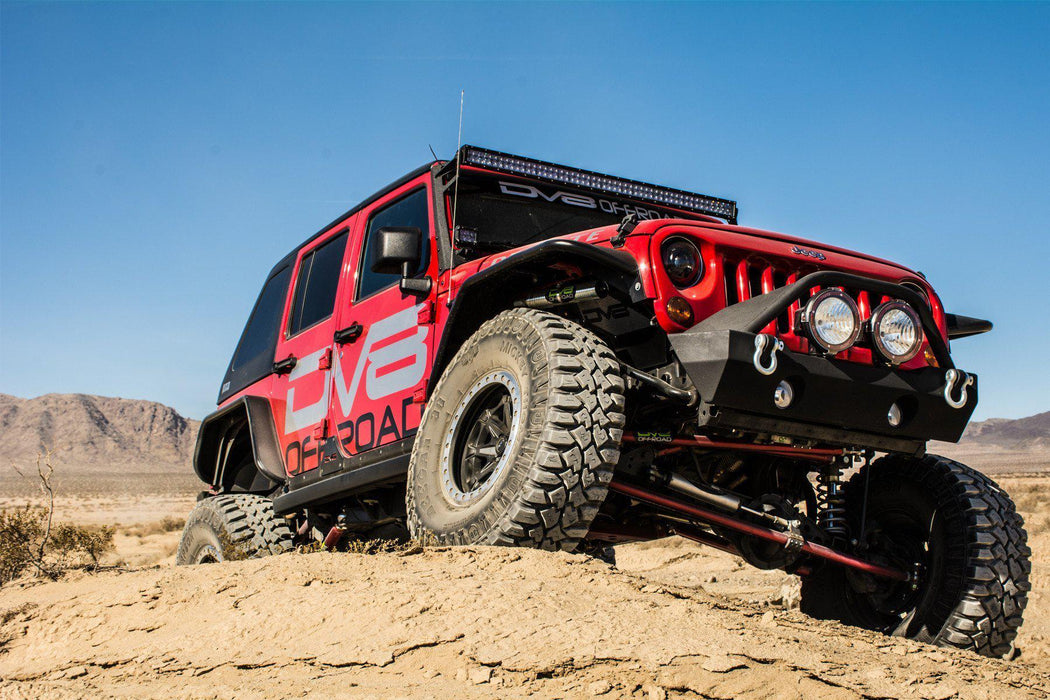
x=553, y=391
x=974, y=586
x=231, y=527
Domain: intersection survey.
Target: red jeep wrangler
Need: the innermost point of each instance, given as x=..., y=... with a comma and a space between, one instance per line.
x=504, y=351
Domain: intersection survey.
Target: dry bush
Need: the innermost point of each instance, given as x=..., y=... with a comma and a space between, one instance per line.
x=1033, y=503
x=160, y=527
x=170, y=524
x=30, y=541
x=384, y=546
x=74, y=545
x=23, y=547
x=21, y=530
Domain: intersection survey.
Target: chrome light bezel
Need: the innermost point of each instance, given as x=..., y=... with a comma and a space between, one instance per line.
x=810, y=308
x=697, y=275
x=876, y=337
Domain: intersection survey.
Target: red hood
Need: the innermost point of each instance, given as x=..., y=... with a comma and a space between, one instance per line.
x=718, y=233
x=806, y=243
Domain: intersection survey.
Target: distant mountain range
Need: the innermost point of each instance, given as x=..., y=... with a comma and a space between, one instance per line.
x=94, y=434
x=1032, y=432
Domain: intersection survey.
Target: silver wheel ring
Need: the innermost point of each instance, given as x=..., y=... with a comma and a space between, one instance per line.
x=448, y=485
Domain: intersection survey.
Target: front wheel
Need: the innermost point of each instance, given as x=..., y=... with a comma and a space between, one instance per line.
x=518, y=442
x=961, y=536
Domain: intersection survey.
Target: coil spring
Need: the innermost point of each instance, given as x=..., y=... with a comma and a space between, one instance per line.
x=831, y=501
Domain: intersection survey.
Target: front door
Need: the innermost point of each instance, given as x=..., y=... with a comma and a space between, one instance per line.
x=385, y=353
x=305, y=350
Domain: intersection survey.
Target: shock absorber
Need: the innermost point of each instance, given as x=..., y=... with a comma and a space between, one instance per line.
x=831, y=498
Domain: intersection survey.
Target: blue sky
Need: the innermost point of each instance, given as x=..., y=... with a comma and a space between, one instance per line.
x=156, y=159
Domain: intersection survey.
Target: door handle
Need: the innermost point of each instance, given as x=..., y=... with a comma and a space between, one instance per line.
x=348, y=334
x=286, y=365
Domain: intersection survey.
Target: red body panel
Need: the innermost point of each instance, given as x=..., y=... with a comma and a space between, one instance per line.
x=368, y=393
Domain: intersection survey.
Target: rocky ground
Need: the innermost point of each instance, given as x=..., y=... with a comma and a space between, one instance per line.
x=670, y=619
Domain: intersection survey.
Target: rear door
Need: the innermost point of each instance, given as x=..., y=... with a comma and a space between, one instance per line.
x=302, y=388
x=381, y=370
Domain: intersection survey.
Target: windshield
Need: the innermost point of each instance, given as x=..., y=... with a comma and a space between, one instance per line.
x=499, y=212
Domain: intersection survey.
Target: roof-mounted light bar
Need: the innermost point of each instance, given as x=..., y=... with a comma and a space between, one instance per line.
x=541, y=170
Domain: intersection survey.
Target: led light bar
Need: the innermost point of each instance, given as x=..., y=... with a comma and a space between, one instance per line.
x=678, y=199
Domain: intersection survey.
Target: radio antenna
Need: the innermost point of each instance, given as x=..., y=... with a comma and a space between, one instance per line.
x=455, y=191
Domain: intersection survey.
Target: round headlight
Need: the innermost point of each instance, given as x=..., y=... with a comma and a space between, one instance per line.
x=682, y=261
x=896, y=331
x=832, y=319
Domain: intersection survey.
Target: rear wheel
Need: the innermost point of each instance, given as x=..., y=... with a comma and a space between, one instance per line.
x=518, y=442
x=961, y=535
x=230, y=527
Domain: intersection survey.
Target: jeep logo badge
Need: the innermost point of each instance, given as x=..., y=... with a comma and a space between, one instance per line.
x=808, y=253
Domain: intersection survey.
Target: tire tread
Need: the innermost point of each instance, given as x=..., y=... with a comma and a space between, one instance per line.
x=580, y=445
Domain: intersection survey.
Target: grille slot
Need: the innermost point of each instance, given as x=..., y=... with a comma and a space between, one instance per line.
x=746, y=278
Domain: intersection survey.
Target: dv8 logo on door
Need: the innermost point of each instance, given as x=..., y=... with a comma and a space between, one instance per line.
x=392, y=361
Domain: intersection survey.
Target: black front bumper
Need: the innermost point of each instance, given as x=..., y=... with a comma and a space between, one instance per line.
x=841, y=403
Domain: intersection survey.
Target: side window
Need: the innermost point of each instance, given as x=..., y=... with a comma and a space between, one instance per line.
x=411, y=210
x=260, y=333
x=316, y=284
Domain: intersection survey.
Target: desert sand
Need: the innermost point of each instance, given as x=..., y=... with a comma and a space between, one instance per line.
x=669, y=619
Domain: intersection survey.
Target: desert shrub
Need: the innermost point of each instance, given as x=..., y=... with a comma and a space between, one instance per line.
x=29, y=539
x=21, y=532
x=384, y=546
x=170, y=524
x=27, y=545
x=75, y=545
x=165, y=524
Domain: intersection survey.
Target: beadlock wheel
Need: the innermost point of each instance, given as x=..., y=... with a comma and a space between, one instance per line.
x=484, y=433
x=518, y=442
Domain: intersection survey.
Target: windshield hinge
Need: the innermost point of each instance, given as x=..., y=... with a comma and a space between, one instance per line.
x=629, y=223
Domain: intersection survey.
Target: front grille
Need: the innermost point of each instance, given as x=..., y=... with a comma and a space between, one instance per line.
x=746, y=278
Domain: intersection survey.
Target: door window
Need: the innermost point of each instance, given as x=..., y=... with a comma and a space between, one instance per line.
x=411, y=210
x=316, y=284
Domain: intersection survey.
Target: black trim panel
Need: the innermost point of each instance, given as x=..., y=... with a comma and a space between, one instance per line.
x=330, y=488
x=214, y=432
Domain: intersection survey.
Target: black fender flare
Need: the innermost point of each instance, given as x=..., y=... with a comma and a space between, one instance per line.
x=486, y=293
x=220, y=428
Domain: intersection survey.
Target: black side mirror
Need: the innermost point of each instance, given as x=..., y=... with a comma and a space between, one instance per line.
x=399, y=250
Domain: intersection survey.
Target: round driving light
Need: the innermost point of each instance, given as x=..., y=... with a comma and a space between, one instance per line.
x=894, y=415
x=679, y=311
x=896, y=331
x=783, y=395
x=682, y=261
x=832, y=320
